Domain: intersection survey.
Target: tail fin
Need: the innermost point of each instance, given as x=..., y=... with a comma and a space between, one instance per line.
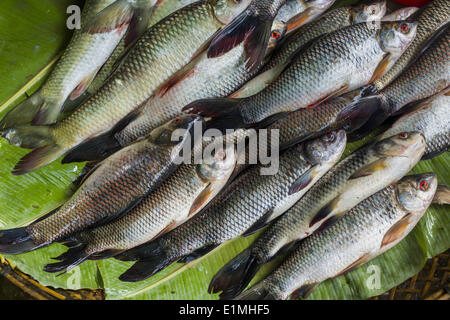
x=359, y=112
x=224, y=113
x=247, y=28
x=152, y=259
x=38, y=158
x=257, y=292
x=234, y=277
x=70, y=259
x=16, y=241
x=23, y=113
x=96, y=149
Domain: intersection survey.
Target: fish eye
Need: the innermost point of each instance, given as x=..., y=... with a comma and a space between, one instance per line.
x=220, y=155
x=423, y=185
x=330, y=137
x=177, y=121
x=403, y=135
x=276, y=35
x=404, y=28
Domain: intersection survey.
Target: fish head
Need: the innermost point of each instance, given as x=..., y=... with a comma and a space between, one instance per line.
x=327, y=148
x=415, y=193
x=278, y=32
x=305, y=11
x=177, y=131
x=395, y=37
x=368, y=12
x=405, y=144
x=401, y=14
x=219, y=166
x=226, y=10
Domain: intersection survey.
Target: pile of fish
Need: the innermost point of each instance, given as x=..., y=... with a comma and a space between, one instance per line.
x=140, y=72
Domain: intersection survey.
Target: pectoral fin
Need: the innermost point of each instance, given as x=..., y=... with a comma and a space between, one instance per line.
x=381, y=68
x=363, y=259
x=299, y=20
x=202, y=199
x=304, y=291
x=303, y=181
x=84, y=84
x=326, y=211
x=369, y=169
x=396, y=232
x=336, y=93
x=259, y=83
x=116, y=16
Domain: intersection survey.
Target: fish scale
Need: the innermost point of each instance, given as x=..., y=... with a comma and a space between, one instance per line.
x=246, y=201
x=435, y=15
x=320, y=70
x=427, y=76
x=141, y=73
x=363, y=173
x=329, y=22
x=359, y=234
x=145, y=221
x=120, y=186
x=431, y=120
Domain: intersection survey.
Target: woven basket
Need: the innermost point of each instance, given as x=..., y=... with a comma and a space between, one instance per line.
x=432, y=283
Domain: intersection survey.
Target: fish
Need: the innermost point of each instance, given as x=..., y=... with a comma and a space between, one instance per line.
x=104, y=24
x=430, y=19
x=161, y=10
x=111, y=189
x=252, y=28
x=178, y=199
x=426, y=77
x=400, y=14
x=371, y=228
x=331, y=21
x=363, y=173
x=248, y=203
x=164, y=8
x=153, y=60
x=442, y=195
x=296, y=13
x=432, y=120
x=309, y=123
x=205, y=78
x=331, y=66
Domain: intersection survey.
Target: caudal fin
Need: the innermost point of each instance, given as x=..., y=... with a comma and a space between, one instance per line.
x=224, y=113
x=235, y=276
x=257, y=292
x=70, y=259
x=38, y=138
x=23, y=113
x=152, y=258
x=247, y=28
x=38, y=158
x=16, y=241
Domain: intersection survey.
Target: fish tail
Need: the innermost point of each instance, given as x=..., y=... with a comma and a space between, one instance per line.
x=16, y=241
x=257, y=292
x=95, y=149
x=234, y=277
x=71, y=258
x=375, y=110
x=120, y=15
x=247, y=28
x=24, y=112
x=38, y=158
x=154, y=259
x=224, y=113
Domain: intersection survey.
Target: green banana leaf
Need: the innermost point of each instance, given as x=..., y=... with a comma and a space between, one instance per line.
x=32, y=37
